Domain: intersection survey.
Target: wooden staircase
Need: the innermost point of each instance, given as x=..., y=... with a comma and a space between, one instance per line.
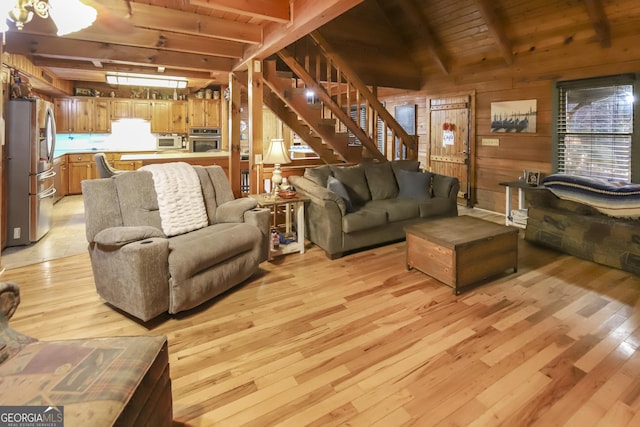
x=343, y=120
x=289, y=103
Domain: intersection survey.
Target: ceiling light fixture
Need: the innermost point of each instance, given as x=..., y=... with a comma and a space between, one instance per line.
x=146, y=80
x=68, y=15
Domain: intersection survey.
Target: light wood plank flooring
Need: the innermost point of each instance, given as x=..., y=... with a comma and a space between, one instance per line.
x=361, y=341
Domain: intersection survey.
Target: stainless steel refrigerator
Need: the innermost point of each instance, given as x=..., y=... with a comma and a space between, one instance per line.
x=31, y=136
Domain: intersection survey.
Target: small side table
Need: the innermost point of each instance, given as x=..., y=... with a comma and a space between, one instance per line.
x=521, y=186
x=297, y=205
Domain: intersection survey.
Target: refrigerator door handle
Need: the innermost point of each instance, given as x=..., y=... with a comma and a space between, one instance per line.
x=50, y=174
x=50, y=192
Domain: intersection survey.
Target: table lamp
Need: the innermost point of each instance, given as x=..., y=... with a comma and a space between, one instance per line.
x=276, y=154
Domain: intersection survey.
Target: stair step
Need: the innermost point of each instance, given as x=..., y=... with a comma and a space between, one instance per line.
x=327, y=122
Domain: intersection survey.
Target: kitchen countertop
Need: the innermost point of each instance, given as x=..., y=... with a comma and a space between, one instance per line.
x=174, y=155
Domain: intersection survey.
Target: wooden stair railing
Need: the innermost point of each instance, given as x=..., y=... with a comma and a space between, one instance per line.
x=289, y=103
x=342, y=93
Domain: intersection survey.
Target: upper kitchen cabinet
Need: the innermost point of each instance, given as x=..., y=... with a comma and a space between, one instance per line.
x=141, y=109
x=91, y=115
x=169, y=117
x=62, y=113
x=130, y=109
x=82, y=115
x=204, y=113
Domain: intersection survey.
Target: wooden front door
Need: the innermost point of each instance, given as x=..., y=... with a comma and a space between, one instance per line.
x=449, y=150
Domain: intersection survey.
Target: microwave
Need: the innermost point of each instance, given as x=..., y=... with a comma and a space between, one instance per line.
x=164, y=142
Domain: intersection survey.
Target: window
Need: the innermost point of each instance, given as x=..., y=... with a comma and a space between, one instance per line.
x=594, y=131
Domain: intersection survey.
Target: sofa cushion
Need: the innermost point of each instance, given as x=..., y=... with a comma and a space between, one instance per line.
x=407, y=165
x=187, y=256
x=354, y=180
x=363, y=219
x=334, y=185
x=138, y=200
x=318, y=174
x=414, y=185
x=436, y=206
x=381, y=180
x=397, y=209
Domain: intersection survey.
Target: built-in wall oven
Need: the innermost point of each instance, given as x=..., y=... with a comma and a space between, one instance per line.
x=203, y=139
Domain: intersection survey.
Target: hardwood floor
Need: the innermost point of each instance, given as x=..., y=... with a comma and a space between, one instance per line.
x=361, y=341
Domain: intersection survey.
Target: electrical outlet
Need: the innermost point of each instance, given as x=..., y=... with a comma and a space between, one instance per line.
x=491, y=141
x=16, y=232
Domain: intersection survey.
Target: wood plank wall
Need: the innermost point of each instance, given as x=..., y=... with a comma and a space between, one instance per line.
x=531, y=76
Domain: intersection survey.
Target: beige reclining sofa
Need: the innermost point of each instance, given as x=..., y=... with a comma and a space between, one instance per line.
x=145, y=270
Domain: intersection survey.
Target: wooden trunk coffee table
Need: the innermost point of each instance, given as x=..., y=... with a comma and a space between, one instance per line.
x=461, y=251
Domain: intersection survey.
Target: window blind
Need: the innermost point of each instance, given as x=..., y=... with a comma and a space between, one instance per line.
x=595, y=128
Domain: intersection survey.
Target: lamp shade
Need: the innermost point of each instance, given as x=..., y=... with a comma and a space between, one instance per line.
x=276, y=153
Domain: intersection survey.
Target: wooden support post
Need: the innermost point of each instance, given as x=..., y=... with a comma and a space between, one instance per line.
x=255, y=86
x=234, y=134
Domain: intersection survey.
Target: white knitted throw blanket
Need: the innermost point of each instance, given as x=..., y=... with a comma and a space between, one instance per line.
x=180, y=199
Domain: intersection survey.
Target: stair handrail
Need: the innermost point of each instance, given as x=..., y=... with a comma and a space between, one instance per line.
x=326, y=99
x=325, y=47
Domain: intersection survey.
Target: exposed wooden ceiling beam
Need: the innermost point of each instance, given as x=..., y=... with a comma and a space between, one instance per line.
x=415, y=16
x=270, y=10
x=308, y=15
x=599, y=21
x=489, y=15
x=142, y=37
x=128, y=68
x=56, y=47
x=160, y=18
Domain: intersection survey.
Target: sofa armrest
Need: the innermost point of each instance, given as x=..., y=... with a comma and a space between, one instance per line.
x=234, y=210
x=445, y=186
x=261, y=218
x=317, y=193
x=120, y=236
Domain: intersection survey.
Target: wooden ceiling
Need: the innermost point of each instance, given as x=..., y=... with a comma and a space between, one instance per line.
x=202, y=40
x=391, y=43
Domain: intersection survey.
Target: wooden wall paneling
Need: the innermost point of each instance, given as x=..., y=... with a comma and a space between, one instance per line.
x=531, y=77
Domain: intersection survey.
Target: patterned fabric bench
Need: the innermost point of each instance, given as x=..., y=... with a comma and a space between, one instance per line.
x=582, y=230
x=616, y=199
x=99, y=381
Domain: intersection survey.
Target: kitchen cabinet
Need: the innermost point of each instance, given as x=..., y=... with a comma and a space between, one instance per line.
x=60, y=181
x=82, y=115
x=80, y=167
x=141, y=109
x=128, y=165
x=83, y=166
x=130, y=109
x=63, y=115
x=101, y=115
x=204, y=113
x=169, y=117
x=120, y=109
x=91, y=115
